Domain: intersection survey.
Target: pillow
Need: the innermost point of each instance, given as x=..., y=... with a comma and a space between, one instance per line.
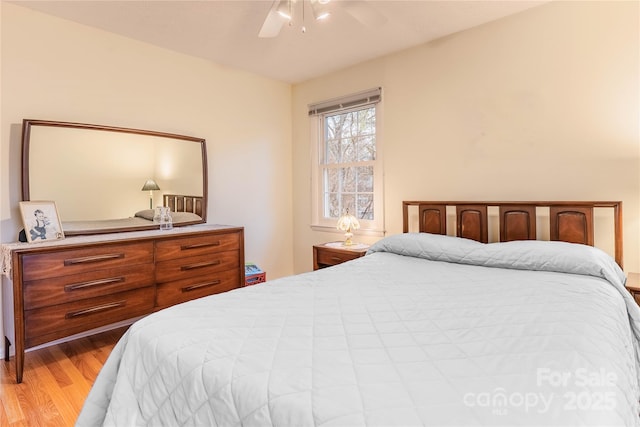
x=175, y=216
x=185, y=217
x=146, y=214
x=521, y=255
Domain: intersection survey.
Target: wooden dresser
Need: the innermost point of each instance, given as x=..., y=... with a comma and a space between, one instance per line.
x=78, y=284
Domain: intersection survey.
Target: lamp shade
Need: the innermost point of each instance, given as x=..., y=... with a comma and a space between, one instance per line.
x=150, y=185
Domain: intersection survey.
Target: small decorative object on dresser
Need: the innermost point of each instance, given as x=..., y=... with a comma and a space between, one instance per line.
x=41, y=221
x=332, y=253
x=633, y=285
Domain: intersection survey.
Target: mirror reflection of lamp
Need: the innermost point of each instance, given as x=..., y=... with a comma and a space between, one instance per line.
x=150, y=186
x=348, y=223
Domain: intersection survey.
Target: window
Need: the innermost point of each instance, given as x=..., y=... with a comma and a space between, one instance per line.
x=347, y=172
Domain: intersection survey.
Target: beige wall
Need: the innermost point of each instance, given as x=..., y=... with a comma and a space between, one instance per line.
x=57, y=70
x=543, y=105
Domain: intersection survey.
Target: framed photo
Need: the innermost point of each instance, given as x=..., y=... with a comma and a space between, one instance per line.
x=41, y=221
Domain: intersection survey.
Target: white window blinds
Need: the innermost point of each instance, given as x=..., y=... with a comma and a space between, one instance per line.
x=370, y=96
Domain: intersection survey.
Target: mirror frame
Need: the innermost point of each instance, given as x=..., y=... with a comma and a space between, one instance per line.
x=27, y=124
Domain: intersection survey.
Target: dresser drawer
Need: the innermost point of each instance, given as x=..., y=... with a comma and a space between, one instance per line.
x=62, y=263
x=198, y=245
x=197, y=266
x=195, y=287
x=46, y=324
x=62, y=289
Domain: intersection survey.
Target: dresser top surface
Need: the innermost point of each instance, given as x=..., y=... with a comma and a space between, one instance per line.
x=9, y=248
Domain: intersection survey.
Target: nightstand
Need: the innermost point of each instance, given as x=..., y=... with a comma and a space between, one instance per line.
x=332, y=253
x=633, y=285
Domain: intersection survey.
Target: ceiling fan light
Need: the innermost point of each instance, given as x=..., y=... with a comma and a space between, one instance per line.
x=284, y=9
x=319, y=10
x=322, y=16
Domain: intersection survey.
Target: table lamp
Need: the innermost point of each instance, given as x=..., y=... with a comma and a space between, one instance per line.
x=347, y=223
x=150, y=186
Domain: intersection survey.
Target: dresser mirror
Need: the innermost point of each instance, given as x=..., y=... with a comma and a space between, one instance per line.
x=96, y=175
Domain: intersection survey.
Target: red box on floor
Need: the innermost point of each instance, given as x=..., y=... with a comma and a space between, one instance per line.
x=253, y=275
x=254, y=279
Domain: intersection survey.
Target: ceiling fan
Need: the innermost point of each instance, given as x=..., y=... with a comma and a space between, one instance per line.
x=283, y=11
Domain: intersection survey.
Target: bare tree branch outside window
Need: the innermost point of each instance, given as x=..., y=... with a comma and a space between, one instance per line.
x=349, y=152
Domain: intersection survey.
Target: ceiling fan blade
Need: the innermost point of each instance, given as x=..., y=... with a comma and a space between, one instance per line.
x=364, y=13
x=272, y=23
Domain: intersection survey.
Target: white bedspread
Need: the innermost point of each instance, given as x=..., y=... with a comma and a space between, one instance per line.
x=449, y=332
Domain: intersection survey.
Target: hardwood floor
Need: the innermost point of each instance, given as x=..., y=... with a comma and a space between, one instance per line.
x=56, y=381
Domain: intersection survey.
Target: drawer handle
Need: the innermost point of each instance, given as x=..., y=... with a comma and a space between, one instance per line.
x=93, y=283
x=200, y=285
x=199, y=245
x=90, y=259
x=96, y=309
x=200, y=265
x=336, y=258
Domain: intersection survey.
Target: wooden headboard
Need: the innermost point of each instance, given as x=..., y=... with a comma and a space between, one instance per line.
x=182, y=203
x=567, y=221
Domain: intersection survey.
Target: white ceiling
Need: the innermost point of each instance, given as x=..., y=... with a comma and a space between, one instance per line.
x=226, y=31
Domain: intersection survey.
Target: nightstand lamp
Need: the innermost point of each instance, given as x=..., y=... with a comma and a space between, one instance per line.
x=348, y=223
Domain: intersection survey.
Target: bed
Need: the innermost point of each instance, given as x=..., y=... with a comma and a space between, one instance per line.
x=426, y=329
x=185, y=210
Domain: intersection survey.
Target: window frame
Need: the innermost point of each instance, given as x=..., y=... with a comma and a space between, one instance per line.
x=319, y=222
